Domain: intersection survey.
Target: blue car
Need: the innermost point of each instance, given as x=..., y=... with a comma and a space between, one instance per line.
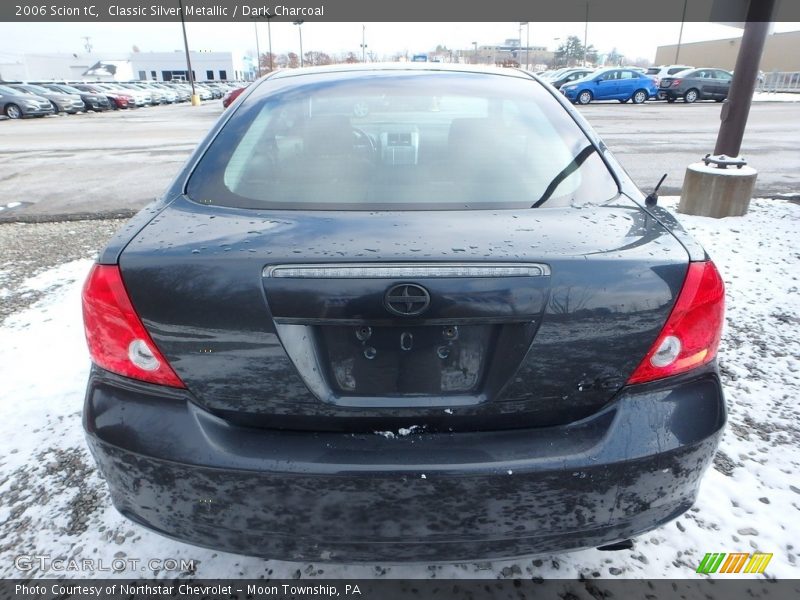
x=611, y=84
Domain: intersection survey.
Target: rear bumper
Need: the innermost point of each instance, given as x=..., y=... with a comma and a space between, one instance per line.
x=183, y=472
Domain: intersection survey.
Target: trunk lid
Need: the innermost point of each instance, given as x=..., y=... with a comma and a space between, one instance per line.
x=312, y=320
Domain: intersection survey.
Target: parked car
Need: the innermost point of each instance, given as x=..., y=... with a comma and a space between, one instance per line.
x=569, y=76
x=17, y=104
x=230, y=96
x=217, y=91
x=66, y=103
x=170, y=96
x=146, y=97
x=137, y=97
x=657, y=72
x=611, y=84
x=91, y=101
x=117, y=99
x=696, y=84
x=389, y=342
x=203, y=92
x=548, y=75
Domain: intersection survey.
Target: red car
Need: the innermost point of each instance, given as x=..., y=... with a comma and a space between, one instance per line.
x=228, y=98
x=115, y=98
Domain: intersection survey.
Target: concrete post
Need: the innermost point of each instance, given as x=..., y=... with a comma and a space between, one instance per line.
x=713, y=192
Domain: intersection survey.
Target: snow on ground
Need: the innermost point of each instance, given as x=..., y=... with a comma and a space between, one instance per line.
x=52, y=501
x=776, y=97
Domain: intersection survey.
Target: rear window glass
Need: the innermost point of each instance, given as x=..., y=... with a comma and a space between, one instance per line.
x=400, y=141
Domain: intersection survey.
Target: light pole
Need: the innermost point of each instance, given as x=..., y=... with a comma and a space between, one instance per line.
x=363, y=43
x=475, y=52
x=195, y=97
x=527, y=42
x=258, y=50
x=680, y=34
x=299, y=24
x=586, y=33
x=555, y=62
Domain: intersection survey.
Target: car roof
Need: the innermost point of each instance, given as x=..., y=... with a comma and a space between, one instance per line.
x=400, y=67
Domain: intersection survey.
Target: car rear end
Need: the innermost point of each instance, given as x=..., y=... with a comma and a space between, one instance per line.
x=671, y=87
x=445, y=330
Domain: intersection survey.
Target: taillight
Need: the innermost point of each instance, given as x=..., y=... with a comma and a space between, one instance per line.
x=690, y=337
x=117, y=340
x=676, y=82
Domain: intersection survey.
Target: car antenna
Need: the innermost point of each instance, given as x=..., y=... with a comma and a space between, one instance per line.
x=652, y=197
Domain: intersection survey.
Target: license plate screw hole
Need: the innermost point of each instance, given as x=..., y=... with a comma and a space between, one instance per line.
x=450, y=332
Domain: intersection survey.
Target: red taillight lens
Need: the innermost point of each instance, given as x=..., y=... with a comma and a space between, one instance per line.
x=690, y=337
x=117, y=339
x=676, y=83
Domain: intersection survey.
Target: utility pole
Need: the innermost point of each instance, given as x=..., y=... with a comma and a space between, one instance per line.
x=190, y=74
x=680, y=34
x=299, y=24
x=258, y=50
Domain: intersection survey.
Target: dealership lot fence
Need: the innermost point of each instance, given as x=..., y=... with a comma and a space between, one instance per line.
x=780, y=81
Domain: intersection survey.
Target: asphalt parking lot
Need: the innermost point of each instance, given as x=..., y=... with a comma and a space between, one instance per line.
x=113, y=163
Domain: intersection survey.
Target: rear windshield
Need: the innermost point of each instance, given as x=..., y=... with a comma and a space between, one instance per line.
x=653, y=71
x=400, y=141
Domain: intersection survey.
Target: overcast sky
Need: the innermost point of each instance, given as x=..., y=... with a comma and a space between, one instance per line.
x=385, y=39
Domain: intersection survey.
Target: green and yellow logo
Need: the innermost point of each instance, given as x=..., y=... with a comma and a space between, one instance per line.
x=734, y=562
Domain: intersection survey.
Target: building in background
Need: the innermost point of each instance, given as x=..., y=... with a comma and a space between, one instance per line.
x=22, y=67
x=155, y=66
x=781, y=53
x=511, y=52
x=207, y=66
